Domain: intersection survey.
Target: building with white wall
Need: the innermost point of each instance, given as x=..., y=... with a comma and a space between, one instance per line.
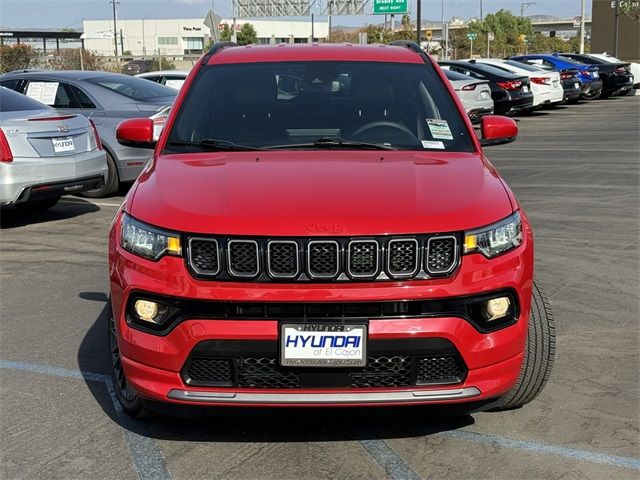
x=184, y=36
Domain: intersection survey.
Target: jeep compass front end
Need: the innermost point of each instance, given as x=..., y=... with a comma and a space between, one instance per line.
x=319, y=226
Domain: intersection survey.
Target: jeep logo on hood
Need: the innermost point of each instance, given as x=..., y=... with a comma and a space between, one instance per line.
x=324, y=227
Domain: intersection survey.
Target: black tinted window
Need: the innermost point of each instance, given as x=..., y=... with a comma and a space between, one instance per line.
x=11, y=101
x=83, y=98
x=132, y=87
x=404, y=106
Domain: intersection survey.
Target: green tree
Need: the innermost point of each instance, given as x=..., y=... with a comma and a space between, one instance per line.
x=15, y=57
x=377, y=34
x=246, y=35
x=225, y=34
x=631, y=9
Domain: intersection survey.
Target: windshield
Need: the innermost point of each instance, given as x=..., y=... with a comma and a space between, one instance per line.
x=329, y=105
x=135, y=88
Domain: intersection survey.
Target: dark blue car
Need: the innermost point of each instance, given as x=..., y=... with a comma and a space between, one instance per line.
x=587, y=74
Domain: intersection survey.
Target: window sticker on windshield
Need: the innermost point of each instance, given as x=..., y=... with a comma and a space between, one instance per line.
x=44, y=92
x=433, y=144
x=439, y=129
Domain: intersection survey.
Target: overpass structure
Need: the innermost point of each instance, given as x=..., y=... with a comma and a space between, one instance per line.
x=550, y=26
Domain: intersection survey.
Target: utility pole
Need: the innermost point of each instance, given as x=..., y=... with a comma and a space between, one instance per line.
x=524, y=6
x=616, y=27
x=446, y=41
x=481, y=17
x=234, y=34
x=312, y=33
x=418, y=20
x=442, y=42
x=582, y=9
x=114, y=4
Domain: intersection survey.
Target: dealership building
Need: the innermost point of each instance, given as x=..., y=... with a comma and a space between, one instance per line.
x=184, y=36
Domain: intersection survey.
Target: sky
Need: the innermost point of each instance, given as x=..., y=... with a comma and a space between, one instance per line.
x=70, y=13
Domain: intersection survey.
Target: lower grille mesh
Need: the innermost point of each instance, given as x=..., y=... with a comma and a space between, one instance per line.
x=380, y=371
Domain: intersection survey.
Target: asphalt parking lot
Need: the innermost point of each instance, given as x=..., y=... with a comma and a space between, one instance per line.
x=575, y=170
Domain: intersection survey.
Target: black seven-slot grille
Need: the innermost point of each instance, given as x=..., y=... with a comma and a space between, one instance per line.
x=339, y=259
x=404, y=363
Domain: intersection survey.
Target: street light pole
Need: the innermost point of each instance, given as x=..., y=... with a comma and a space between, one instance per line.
x=582, y=9
x=418, y=20
x=443, y=41
x=114, y=3
x=616, y=27
x=144, y=44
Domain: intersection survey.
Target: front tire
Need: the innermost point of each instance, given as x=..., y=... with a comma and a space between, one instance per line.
x=130, y=401
x=538, y=358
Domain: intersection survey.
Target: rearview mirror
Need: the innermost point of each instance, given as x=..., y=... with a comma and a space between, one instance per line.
x=497, y=129
x=136, y=132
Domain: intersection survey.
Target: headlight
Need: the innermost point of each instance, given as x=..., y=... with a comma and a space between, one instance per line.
x=147, y=241
x=495, y=239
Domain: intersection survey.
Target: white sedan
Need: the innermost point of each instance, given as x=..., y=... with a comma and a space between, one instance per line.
x=546, y=85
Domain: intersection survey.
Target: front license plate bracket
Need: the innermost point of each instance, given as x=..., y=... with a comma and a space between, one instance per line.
x=333, y=345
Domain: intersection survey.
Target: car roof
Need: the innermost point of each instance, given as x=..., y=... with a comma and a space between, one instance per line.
x=63, y=74
x=164, y=72
x=284, y=52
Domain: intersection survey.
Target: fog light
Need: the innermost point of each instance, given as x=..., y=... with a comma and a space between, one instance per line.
x=146, y=310
x=498, y=307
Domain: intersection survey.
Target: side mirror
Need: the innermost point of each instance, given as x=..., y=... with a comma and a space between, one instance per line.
x=136, y=132
x=497, y=130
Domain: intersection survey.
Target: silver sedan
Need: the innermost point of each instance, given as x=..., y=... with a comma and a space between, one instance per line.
x=107, y=99
x=45, y=154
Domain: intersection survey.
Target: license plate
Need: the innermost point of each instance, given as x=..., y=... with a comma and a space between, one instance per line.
x=323, y=345
x=525, y=88
x=62, y=145
x=483, y=95
x=576, y=85
x=555, y=83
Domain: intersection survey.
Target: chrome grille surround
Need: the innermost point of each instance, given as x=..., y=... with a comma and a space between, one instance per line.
x=401, y=267
x=338, y=259
x=434, y=262
x=246, y=261
x=272, y=258
x=316, y=258
x=352, y=258
x=198, y=264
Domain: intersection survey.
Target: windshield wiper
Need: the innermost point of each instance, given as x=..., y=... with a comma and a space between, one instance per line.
x=333, y=142
x=214, y=144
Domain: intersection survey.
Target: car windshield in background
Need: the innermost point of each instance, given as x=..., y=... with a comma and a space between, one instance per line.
x=318, y=105
x=11, y=101
x=135, y=88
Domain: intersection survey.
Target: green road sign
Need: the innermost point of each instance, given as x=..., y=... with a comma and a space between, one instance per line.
x=472, y=35
x=390, y=7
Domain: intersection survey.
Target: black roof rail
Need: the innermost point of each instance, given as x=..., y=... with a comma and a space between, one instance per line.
x=408, y=44
x=215, y=48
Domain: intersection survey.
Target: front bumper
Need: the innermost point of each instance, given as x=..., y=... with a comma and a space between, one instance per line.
x=154, y=363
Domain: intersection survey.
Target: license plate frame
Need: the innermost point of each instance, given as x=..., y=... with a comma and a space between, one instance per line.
x=329, y=352
x=63, y=145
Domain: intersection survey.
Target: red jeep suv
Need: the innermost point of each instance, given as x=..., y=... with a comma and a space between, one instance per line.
x=320, y=227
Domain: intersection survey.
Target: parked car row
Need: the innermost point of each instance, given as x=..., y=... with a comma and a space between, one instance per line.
x=524, y=83
x=106, y=99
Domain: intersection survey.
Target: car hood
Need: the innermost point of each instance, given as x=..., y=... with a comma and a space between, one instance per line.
x=320, y=193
